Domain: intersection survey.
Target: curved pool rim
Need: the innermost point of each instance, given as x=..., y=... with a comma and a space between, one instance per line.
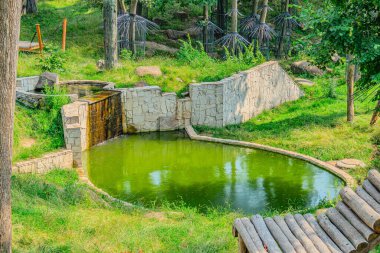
x=347, y=179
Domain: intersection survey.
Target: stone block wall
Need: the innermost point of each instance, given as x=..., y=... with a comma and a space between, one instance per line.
x=148, y=109
x=61, y=159
x=245, y=95
x=27, y=83
x=74, y=118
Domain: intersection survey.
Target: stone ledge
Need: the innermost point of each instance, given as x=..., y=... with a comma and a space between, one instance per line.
x=348, y=179
x=60, y=159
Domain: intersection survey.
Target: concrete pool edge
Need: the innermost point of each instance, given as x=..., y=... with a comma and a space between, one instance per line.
x=348, y=179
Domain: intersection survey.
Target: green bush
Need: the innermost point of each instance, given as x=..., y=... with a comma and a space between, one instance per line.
x=193, y=55
x=53, y=60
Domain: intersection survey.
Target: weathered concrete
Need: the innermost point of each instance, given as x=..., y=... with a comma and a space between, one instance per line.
x=245, y=95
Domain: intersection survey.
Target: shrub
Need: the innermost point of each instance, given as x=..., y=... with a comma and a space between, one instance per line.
x=126, y=54
x=193, y=55
x=53, y=61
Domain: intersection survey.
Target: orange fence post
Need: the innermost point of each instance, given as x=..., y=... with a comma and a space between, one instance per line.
x=39, y=36
x=64, y=25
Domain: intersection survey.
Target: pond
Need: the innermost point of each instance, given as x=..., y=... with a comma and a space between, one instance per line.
x=169, y=167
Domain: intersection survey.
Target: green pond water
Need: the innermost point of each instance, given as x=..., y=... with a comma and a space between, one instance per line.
x=168, y=167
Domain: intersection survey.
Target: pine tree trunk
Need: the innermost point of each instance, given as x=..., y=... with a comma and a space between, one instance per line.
x=234, y=16
x=31, y=6
x=9, y=35
x=110, y=33
x=132, y=29
x=121, y=10
x=205, y=27
x=376, y=114
x=350, y=80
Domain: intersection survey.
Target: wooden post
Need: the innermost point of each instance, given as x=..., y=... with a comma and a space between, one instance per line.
x=376, y=114
x=64, y=26
x=39, y=36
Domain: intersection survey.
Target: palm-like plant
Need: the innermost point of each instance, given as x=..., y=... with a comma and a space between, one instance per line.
x=250, y=21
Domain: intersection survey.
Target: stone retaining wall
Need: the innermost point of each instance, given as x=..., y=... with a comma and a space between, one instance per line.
x=61, y=159
x=245, y=95
x=148, y=109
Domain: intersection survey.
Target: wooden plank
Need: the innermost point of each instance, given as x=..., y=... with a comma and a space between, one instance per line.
x=322, y=234
x=264, y=234
x=292, y=239
x=279, y=236
x=356, y=239
x=253, y=234
x=361, y=208
x=371, y=189
x=374, y=178
x=355, y=221
x=242, y=247
x=301, y=236
x=343, y=243
x=367, y=198
x=308, y=230
x=243, y=234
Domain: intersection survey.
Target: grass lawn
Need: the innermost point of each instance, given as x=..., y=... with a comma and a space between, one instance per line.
x=85, y=48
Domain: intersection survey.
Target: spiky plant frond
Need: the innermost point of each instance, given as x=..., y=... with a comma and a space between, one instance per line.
x=249, y=22
x=233, y=41
x=287, y=19
x=262, y=32
x=143, y=25
x=211, y=27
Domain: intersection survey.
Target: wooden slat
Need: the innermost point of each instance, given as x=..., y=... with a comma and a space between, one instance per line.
x=264, y=234
x=242, y=247
x=372, y=191
x=355, y=221
x=308, y=230
x=322, y=234
x=279, y=236
x=361, y=208
x=292, y=239
x=301, y=236
x=374, y=178
x=367, y=198
x=243, y=234
x=253, y=234
x=356, y=239
x=343, y=243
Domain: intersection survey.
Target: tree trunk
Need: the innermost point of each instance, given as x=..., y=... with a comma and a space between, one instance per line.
x=350, y=80
x=9, y=35
x=31, y=6
x=376, y=114
x=221, y=14
x=110, y=33
x=234, y=16
x=140, y=8
x=23, y=8
x=132, y=29
x=205, y=27
x=121, y=10
x=264, y=12
x=280, y=50
x=255, y=7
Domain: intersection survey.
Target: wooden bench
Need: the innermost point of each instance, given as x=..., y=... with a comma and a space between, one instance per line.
x=352, y=226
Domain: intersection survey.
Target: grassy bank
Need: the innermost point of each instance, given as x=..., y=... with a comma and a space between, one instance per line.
x=57, y=213
x=315, y=125
x=85, y=48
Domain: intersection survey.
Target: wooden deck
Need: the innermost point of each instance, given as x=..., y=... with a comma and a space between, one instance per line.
x=352, y=226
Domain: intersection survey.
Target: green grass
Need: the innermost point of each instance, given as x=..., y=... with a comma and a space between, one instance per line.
x=57, y=213
x=85, y=48
x=314, y=125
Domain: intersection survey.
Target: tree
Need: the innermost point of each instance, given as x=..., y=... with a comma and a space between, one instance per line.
x=132, y=29
x=121, y=9
x=110, y=33
x=9, y=35
x=31, y=6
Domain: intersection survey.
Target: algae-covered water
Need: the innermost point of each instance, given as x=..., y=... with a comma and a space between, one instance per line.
x=168, y=167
